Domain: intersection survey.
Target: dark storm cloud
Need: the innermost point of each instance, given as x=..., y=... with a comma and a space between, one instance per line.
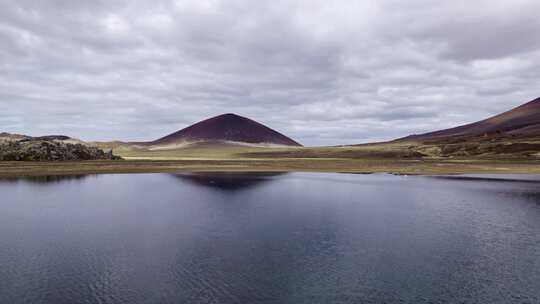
x=322, y=72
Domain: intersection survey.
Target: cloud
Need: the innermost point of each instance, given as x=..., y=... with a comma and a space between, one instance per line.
x=322, y=72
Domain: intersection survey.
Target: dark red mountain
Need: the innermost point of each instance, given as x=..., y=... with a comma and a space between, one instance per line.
x=227, y=127
x=523, y=121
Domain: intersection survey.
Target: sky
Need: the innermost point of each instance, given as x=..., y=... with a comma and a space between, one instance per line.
x=322, y=72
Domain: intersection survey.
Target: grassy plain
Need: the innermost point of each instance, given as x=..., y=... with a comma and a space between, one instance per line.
x=357, y=159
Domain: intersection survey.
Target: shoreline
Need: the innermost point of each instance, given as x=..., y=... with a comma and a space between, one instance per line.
x=390, y=166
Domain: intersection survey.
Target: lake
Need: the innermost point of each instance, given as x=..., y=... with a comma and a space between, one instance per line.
x=270, y=238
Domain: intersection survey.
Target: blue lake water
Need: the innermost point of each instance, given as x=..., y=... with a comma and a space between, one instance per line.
x=270, y=238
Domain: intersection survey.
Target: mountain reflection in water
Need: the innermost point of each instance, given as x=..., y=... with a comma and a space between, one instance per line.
x=229, y=181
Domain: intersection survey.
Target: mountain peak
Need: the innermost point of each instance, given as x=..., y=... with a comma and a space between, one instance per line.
x=227, y=127
x=230, y=115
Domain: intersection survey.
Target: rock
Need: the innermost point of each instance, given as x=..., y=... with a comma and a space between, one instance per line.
x=50, y=149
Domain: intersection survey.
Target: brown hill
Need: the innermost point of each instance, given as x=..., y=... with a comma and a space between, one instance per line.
x=515, y=133
x=523, y=121
x=227, y=127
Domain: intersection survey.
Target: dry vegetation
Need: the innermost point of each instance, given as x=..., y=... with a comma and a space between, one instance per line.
x=481, y=147
x=236, y=158
x=398, y=157
x=427, y=167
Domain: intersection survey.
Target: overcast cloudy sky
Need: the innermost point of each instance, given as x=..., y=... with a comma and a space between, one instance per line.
x=322, y=72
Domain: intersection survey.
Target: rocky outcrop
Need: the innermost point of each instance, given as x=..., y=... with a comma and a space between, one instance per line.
x=50, y=149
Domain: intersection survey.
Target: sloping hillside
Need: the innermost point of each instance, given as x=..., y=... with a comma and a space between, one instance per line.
x=227, y=127
x=523, y=121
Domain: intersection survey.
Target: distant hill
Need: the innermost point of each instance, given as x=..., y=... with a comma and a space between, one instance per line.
x=226, y=128
x=5, y=137
x=515, y=134
x=523, y=121
x=10, y=137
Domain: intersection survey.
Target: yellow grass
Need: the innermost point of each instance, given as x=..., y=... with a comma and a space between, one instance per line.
x=427, y=167
x=358, y=159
